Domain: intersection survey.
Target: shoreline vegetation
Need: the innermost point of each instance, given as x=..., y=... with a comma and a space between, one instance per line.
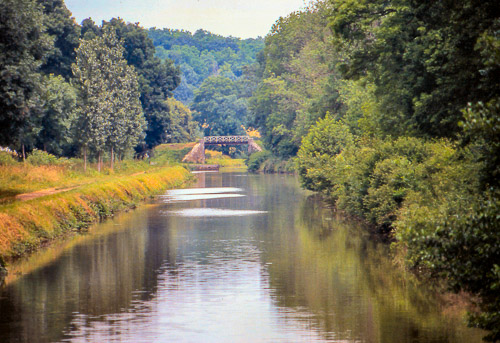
x=387, y=108
x=44, y=202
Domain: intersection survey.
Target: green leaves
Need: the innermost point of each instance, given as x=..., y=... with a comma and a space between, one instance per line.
x=291, y=95
x=217, y=108
x=23, y=46
x=59, y=113
x=421, y=58
x=320, y=159
x=462, y=245
x=112, y=114
x=65, y=33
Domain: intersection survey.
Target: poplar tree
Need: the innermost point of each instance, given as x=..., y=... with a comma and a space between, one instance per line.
x=111, y=113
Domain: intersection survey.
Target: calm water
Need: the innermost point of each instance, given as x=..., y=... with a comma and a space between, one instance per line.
x=241, y=258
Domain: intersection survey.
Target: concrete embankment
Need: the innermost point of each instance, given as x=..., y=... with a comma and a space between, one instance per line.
x=27, y=225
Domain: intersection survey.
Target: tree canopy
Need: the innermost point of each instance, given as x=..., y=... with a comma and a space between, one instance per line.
x=203, y=54
x=111, y=115
x=23, y=46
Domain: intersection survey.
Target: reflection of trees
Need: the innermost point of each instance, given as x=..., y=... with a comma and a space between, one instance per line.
x=324, y=272
x=97, y=277
x=329, y=270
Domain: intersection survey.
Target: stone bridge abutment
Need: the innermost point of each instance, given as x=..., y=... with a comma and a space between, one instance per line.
x=197, y=154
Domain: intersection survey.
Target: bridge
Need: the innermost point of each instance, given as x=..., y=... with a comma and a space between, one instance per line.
x=226, y=140
x=197, y=154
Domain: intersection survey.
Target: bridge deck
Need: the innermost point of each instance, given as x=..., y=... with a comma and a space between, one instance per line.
x=230, y=140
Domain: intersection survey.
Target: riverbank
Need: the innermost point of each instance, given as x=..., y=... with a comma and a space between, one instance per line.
x=25, y=226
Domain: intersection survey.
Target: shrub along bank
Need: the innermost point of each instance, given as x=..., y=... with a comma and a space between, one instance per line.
x=25, y=226
x=265, y=162
x=437, y=199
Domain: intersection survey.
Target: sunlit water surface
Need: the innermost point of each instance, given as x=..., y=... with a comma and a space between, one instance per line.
x=239, y=258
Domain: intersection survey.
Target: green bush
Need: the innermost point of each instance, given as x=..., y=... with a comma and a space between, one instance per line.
x=255, y=160
x=318, y=156
x=458, y=240
x=41, y=158
x=373, y=178
x=6, y=159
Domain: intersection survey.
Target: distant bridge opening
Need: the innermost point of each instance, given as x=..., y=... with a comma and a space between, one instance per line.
x=197, y=154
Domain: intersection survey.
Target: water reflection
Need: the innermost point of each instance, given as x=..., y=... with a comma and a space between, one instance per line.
x=209, y=190
x=212, y=212
x=272, y=266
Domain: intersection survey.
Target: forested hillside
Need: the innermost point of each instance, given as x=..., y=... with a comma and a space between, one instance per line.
x=392, y=110
x=217, y=76
x=203, y=54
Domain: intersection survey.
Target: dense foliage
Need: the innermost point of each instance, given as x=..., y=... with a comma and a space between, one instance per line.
x=65, y=33
x=218, y=108
x=392, y=108
x=203, y=54
x=111, y=115
x=218, y=76
x=157, y=78
x=23, y=44
x=117, y=95
x=294, y=88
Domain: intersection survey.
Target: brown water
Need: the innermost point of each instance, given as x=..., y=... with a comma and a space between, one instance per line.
x=248, y=258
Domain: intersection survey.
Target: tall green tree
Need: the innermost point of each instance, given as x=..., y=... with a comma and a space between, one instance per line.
x=111, y=115
x=157, y=78
x=23, y=45
x=182, y=126
x=295, y=72
x=59, y=110
x=89, y=29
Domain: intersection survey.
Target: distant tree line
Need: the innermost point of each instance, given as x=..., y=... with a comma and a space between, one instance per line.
x=84, y=89
x=204, y=54
x=218, y=76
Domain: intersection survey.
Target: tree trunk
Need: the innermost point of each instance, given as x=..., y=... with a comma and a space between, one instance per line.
x=112, y=158
x=85, y=159
x=24, y=154
x=99, y=162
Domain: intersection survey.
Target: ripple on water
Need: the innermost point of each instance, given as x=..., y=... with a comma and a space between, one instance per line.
x=189, y=197
x=189, y=194
x=212, y=212
x=209, y=190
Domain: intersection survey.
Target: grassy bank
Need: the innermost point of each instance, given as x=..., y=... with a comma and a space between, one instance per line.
x=224, y=161
x=43, y=171
x=48, y=197
x=27, y=225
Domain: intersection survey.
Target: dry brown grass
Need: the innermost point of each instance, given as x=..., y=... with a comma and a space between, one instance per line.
x=175, y=146
x=24, y=226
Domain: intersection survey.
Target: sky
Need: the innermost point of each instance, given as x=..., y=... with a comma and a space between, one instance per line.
x=237, y=18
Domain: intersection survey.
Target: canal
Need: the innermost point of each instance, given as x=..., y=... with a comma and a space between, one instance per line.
x=237, y=258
